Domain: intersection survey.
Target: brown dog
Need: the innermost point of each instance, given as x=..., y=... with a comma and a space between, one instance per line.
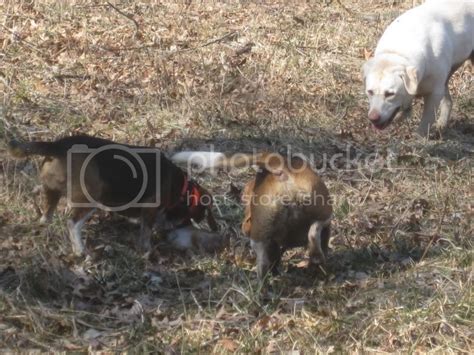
x=133, y=181
x=286, y=205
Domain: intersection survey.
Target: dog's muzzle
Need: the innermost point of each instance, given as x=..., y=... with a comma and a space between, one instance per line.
x=382, y=125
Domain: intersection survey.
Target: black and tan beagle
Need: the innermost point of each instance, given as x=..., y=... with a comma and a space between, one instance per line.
x=131, y=180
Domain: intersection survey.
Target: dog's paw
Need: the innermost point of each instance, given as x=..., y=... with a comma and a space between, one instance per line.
x=144, y=248
x=79, y=253
x=45, y=219
x=317, y=259
x=438, y=130
x=422, y=133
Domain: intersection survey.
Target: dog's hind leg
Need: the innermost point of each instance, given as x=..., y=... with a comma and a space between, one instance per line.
x=51, y=202
x=74, y=224
x=147, y=221
x=325, y=235
x=316, y=244
x=268, y=256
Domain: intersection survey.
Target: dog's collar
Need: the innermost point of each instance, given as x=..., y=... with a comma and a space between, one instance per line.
x=185, y=187
x=194, y=196
x=189, y=194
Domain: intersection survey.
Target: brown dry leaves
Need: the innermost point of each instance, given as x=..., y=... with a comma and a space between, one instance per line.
x=240, y=75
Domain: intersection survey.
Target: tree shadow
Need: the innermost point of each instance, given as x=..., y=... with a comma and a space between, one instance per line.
x=456, y=143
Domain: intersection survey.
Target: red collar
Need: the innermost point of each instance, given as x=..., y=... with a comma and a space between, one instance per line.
x=185, y=187
x=194, y=196
x=190, y=196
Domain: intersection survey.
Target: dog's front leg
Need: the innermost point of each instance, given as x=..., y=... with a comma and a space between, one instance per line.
x=406, y=112
x=78, y=218
x=162, y=224
x=444, y=110
x=147, y=221
x=430, y=106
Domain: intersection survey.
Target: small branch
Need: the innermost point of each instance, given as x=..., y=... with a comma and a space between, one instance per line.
x=343, y=7
x=217, y=40
x=122, y=49
x=214, y=41
x=71, y=76
x=130, y=17
x=17, y=38
x=438, y=229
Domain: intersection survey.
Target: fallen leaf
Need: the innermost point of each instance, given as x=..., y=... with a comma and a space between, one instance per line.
x=367, y=53
x=303, y=263
x=228, y=344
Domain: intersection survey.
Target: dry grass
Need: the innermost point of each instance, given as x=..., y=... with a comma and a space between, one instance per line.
x=239, y=75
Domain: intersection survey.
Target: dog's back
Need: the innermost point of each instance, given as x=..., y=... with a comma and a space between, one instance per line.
x=284, y=199
x=438, y=28
x=132, y=180
x=112, y=173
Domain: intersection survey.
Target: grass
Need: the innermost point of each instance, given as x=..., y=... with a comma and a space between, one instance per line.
x=238, y=76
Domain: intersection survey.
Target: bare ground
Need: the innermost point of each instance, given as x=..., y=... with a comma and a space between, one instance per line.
x=237, y=76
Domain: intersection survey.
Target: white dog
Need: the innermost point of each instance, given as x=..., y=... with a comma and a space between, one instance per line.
x=416, y=56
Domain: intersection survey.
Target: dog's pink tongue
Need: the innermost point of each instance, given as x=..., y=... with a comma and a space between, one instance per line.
x=376, y=129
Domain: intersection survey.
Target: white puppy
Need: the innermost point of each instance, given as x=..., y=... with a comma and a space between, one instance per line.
x=416, y=56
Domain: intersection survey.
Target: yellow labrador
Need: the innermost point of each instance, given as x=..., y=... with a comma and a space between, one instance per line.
x=416, y=56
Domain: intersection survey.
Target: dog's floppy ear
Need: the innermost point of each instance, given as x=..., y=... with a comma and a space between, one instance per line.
x=410, y=79
x=274, y=163
x=367, y=67
x=280, y=174
x=246, y=225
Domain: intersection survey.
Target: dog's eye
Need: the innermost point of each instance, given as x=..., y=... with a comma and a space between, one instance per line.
x=370, y=92
x=388, y=94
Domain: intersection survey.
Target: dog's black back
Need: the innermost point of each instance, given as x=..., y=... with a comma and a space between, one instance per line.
x=123, y=169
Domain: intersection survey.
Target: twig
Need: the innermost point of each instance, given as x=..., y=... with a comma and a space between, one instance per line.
x=154, y=45
x=343, y=7
x=438, y=228
x=217, y=40
x=400, y=219
x=130, y=17
x=120, y=49
x=31, y=45
x=181, y=296
x=5, y=82
x=71, y=76
x=30, y=338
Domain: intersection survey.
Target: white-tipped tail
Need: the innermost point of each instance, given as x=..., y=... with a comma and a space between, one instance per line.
x=204, y=160
x=190, y=238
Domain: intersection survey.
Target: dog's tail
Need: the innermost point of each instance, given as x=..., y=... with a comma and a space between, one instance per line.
x=273, y=163
x=203, y=160
x=23, y=149
x=190, y=238
x=217, y=160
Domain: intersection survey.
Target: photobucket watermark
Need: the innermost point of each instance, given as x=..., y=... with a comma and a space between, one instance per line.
x=294, y=199
x=129, y=176
x=349, y=158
